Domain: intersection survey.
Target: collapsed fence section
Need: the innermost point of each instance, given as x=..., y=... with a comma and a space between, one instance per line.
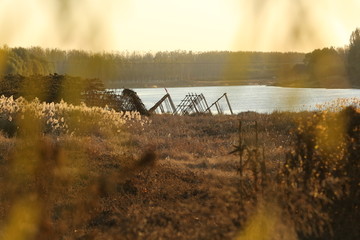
x=197, y=104
x=128, y=100
x=164, y=105
x=192, y=103
x=125, y=100
x=218, y=107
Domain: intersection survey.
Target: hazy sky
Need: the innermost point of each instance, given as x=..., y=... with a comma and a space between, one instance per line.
x=198, y=25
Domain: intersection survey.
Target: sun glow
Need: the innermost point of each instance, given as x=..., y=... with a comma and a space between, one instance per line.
x=202, y=25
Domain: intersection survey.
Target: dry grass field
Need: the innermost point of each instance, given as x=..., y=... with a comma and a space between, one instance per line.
x=172, y=177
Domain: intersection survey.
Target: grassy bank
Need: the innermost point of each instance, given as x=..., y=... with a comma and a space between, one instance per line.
x=172, y=177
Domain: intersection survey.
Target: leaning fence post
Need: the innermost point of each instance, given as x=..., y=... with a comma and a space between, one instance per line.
x=227, y=100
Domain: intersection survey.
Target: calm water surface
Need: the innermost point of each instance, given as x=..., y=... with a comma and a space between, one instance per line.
x=262, y=99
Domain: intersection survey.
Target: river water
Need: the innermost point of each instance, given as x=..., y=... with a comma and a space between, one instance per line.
x=257, y=98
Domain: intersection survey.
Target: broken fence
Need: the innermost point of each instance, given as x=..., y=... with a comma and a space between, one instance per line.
x=192, y=103
x=128, y=100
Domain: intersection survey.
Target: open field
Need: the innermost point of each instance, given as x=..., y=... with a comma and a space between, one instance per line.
x=172, y=177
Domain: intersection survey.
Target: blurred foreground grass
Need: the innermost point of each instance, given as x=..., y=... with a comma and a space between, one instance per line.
x=45, y=166
x=75, y=172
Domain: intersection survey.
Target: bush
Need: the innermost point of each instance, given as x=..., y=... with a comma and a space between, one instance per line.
x=62, y=118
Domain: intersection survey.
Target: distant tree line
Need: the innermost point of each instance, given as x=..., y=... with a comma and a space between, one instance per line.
x=354, y=58
x=50, y=88
x=146, y=69
x=73, y=90
x=328, y=67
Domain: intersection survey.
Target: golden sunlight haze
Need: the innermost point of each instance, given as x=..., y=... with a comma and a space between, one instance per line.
x=203, y=25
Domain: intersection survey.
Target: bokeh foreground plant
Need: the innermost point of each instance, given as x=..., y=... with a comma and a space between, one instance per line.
x=63, y=118
x=315, y=193
x=49, y=181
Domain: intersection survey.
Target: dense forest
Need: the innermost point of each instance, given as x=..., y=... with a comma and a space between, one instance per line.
x=327, y=67
x=177, y=68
